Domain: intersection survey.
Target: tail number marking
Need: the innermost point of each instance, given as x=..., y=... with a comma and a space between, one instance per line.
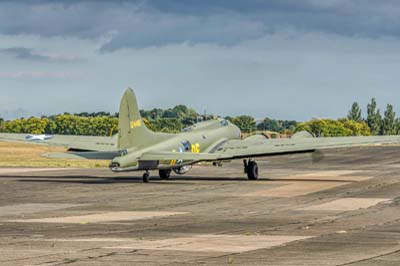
x=136, y=123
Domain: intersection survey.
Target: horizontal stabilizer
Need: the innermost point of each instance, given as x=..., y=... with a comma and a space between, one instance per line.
x=159, y=156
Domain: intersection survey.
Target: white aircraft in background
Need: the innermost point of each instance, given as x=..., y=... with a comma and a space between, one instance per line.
x=38, y=137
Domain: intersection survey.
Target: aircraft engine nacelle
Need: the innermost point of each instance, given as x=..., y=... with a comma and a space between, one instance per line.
x=182, y=170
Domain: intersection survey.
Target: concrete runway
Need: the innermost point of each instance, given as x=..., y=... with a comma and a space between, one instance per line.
x=343, y=210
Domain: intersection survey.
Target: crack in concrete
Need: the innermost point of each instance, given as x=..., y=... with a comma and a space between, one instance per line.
x=370, y=258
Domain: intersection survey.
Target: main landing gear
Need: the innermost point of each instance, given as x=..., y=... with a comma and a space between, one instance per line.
x=251, y=169
x=164, y=173
x=146, y=177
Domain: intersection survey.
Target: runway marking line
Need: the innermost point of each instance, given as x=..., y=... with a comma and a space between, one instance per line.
x=198, y=243
x=34, y=208
x=7, y=171
x=307, y=183
x=346, y=204
x=102, y=217
x=294, y=189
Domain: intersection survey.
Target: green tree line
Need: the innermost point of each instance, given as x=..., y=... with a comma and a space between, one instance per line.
x=334, y=128
x=388, y=124
x=170, y=120
x=355, y=124
x=103, y=123
x=177, y=118
x=65, y=124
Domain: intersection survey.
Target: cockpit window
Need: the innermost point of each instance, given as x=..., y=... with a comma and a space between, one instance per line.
x=224, y=123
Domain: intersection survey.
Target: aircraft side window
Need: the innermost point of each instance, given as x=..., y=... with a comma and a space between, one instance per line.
x=186, y=145
x=224, y=123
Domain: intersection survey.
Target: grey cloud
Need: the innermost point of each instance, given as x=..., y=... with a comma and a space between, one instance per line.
x=164, y=30
x=24, y=53
x=144, y=23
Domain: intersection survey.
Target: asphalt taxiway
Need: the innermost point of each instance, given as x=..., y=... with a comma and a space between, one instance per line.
x=343, y=210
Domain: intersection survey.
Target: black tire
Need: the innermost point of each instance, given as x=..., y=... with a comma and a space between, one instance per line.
x=146, y=178
x=252, y=170
x=164, y=173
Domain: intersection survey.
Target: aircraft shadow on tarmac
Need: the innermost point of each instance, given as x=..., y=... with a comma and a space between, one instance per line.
x=82, y=179
x=113, y=180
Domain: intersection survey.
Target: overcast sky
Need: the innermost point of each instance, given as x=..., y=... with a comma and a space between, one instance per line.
x=288, y=59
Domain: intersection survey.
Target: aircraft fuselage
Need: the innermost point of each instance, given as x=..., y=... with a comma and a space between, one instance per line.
x=202, y=137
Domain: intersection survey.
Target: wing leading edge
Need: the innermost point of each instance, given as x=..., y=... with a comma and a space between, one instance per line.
x=259, y=147
x=236, y=149
x=83, y=143
x=78, y=147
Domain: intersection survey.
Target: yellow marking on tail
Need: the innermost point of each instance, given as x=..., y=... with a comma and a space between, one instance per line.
x=136, y=123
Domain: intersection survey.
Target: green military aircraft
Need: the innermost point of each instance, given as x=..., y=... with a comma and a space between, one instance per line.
x=136, y=148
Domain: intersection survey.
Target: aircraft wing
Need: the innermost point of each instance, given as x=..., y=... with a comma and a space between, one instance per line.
x=236, y=149
x=85, y=155
x=77, y=143
x=258, y=146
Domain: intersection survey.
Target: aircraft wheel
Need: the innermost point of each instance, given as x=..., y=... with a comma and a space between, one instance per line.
x=146, y=177
x=252, y=170
x=164, y=173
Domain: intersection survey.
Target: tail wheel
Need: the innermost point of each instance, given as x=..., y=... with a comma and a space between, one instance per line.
x=165, y=173
x=252, y=170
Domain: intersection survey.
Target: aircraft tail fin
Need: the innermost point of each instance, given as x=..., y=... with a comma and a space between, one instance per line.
x=133, y=133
